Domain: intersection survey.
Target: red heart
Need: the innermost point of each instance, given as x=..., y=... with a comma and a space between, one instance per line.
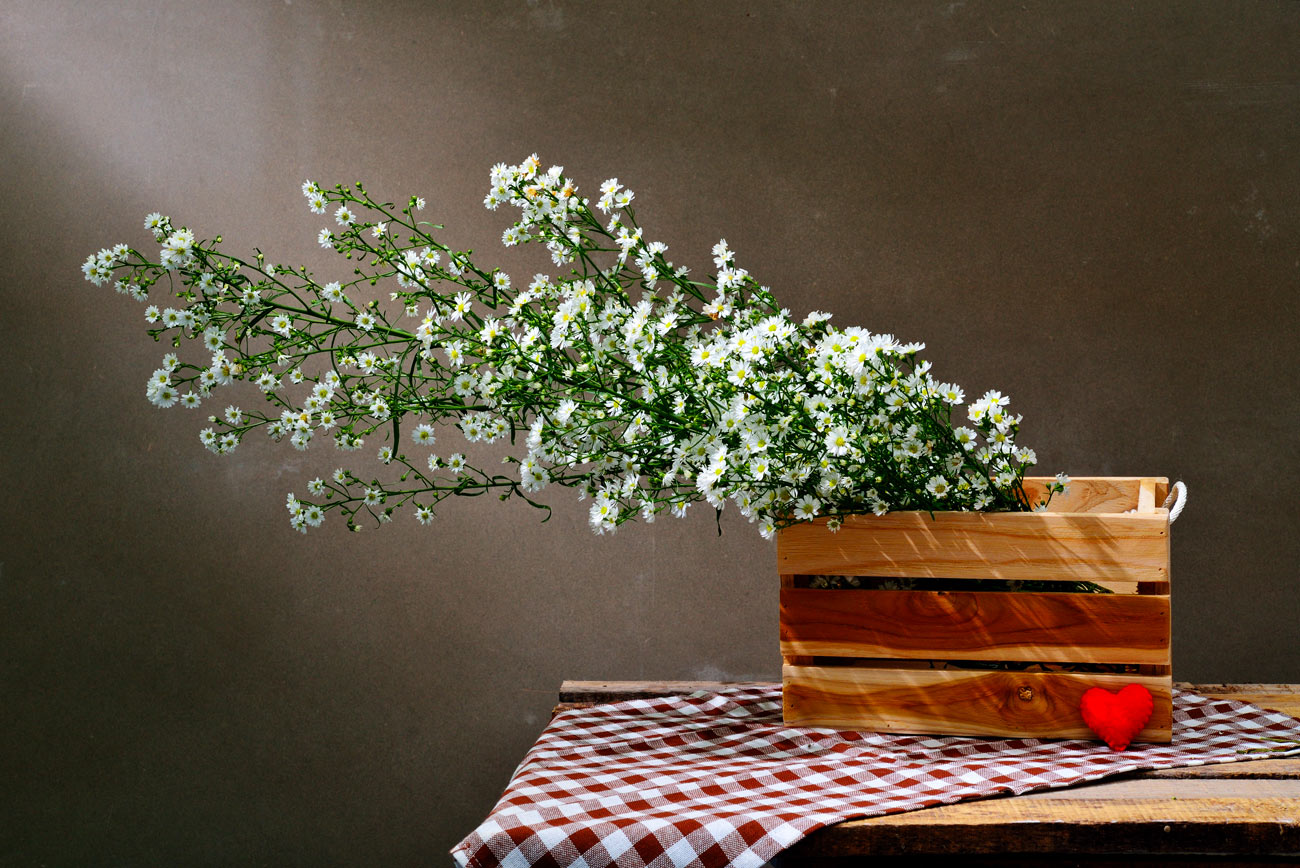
x=1117, y=717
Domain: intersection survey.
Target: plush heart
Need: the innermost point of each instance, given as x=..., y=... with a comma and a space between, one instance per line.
x=1117, y=717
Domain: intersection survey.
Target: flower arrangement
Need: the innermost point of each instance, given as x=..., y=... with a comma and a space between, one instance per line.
x=645, y=389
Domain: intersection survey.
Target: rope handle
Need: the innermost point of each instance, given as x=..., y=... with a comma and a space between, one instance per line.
x=1176, y=500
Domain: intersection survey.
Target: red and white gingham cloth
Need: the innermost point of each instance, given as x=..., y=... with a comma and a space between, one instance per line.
x=715, y=779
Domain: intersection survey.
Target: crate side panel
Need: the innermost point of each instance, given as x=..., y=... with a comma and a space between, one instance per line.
x=959, y=702
x=1093, y=493
x=1026, y=546
x=1003, y=626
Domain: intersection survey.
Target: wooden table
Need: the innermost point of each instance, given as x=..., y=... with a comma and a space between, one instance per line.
x=1247, y=812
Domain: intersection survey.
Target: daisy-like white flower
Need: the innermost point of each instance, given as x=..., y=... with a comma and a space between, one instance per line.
x=455, y=353
x=807, y=507
x=604, y=513
x=423, y=514
x=163, y=396
x=424, y=435
x=325, y=239
x=837, y=441
x=463, y=304
x=282, y=324
x=938, y=486
x=532, y=475
x=344, y=216
x=456, y=463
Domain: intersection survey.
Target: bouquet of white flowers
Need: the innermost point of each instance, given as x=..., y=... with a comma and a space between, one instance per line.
x=643, y=388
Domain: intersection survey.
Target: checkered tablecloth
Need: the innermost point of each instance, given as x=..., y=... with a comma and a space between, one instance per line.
x=715, y=779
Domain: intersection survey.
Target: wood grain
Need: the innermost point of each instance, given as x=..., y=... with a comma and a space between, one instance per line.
x=1028, y=546
x=958, y=702
x=792, y=659
x=1102, y=824
x=943, y=625
x=1095, y=493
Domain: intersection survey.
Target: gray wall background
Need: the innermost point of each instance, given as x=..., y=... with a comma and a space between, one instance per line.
x=1091, y=206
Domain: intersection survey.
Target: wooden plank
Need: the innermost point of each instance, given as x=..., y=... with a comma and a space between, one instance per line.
x=1157, y=789
x=592, y=692
x=1093, y=493
x=1029, y=546
x=1025, y=824
x=792, y=658
x=1283, y=768
x=1112, y=585
x=943, y=625
x=1147, y=496
x=1277, y=697
x=958, y=702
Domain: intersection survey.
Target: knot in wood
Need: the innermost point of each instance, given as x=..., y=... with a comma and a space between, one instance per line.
x=1025, y=692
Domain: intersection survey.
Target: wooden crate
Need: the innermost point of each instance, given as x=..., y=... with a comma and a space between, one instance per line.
x=892, y=660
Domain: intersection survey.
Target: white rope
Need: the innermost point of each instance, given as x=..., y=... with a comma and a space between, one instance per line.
x=1178, y=498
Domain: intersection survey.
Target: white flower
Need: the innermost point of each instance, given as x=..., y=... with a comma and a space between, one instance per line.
x=423, y=435
x=837, y=441
x=325, y=239
x=282, y=324
x=365, y=321
x=532, y=475
x=313, y=515
x=807, y=507
x=603, y=514
x=344, y=216
x=463, y=304
x=456, y=463
x=938, y=486
x=163, y=396
x=156, y=223
x=721, y=254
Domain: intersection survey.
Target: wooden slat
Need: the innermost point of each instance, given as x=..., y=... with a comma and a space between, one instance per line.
x=1113, y=585
x=942, y=625
x=1029, y=546
x=1277, y=697
x=1039, y=823
x=958, y=702
x=1283, y=768
x=792, y=658
x=1147, y=496
x=1094, y=493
